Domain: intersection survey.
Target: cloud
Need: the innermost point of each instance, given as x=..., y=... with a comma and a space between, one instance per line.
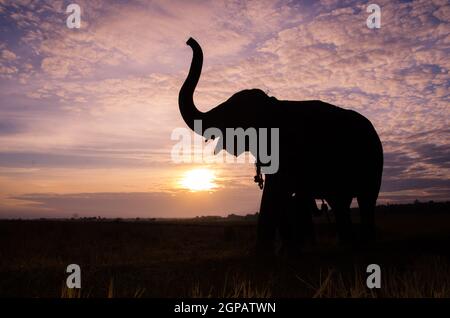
x=152, y=204
x=8, y=55
x=435, y=154
x=8, y=128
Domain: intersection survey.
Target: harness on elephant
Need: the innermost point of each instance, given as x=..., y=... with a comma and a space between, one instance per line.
x=259, y=177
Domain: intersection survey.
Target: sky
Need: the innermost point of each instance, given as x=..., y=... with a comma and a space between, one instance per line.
x=86, y=115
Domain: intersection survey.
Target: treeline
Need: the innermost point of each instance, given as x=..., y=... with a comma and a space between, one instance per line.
x=415, y=208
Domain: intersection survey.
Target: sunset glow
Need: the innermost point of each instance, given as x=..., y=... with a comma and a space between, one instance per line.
x=87, y=115
x=199, y=180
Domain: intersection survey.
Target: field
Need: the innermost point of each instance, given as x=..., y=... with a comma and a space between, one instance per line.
x=210, y=258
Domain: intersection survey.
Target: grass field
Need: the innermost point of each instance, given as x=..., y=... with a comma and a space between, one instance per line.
x=197, y=258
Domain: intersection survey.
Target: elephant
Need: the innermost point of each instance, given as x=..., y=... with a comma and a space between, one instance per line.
x=325, y=152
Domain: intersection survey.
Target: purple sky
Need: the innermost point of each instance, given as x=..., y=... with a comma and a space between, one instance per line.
x=86, y=114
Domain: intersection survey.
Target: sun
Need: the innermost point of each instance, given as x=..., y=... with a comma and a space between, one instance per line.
x=199, y=180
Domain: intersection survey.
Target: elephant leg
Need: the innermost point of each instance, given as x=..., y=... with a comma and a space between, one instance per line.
x=296, y=224
x=341, y=208
x=290, y=223
x=304, y=211
x=287, y=219
x=367, y=211
x=308, y=214
x=268, y=219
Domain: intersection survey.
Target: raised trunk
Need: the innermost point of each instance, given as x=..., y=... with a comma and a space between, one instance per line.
x=188, y=110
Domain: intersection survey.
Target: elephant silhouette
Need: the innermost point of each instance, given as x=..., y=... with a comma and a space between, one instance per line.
x=325, y=152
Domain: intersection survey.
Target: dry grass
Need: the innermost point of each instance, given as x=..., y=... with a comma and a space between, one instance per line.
x=210, y=260
x=423, y=280
x=432, y=281
x=237, y=287
x=77, y=293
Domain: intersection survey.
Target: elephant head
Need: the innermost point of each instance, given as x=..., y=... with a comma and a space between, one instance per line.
x=243, y=110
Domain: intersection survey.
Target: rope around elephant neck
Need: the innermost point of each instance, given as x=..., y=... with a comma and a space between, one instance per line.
x=259, y=177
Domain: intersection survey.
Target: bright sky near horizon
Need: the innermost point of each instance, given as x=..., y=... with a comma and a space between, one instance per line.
x=86, y=114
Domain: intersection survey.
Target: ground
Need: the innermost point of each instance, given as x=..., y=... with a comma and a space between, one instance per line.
x=210, y=258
